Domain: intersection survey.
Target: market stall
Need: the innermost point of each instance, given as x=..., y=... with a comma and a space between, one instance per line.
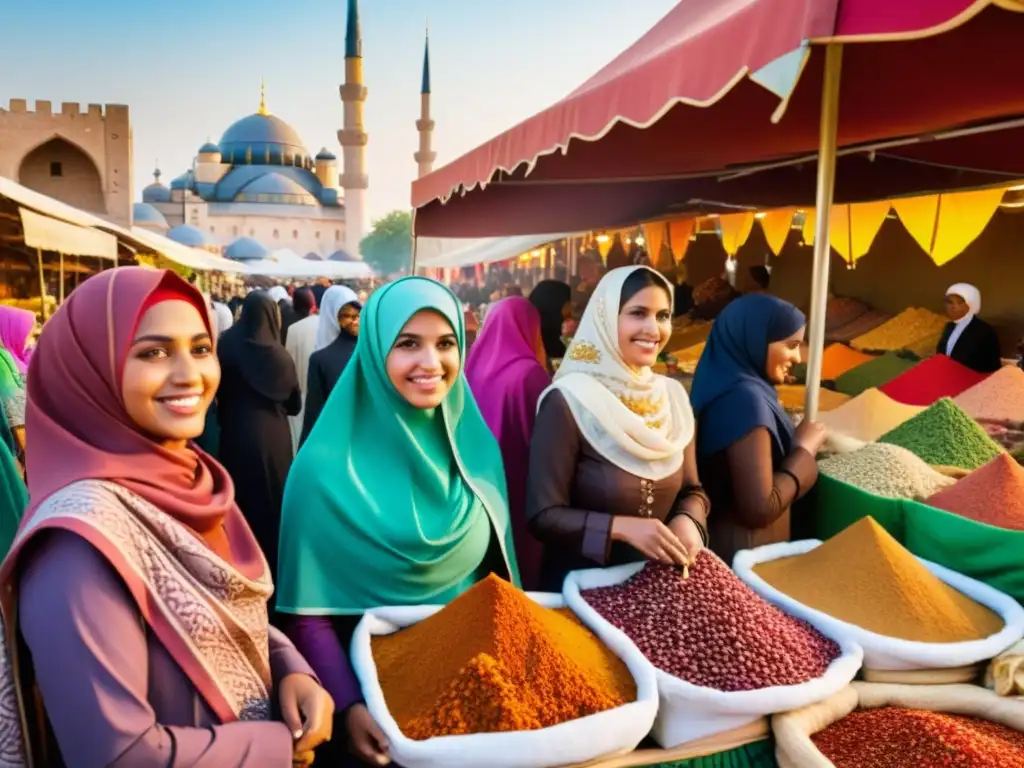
x=843, y=82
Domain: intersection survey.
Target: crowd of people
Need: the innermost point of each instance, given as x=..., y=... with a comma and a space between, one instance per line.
x=217, y=495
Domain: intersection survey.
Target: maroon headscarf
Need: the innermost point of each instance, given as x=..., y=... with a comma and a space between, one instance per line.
x=507, y=377
x=78, y=428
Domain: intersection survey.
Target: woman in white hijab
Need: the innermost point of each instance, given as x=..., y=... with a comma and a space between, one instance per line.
x=335, y=341
x=613, y=471
x=968, y=339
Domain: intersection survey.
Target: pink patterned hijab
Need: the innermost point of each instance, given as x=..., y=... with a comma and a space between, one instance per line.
x=80, y=430
x=15, y=327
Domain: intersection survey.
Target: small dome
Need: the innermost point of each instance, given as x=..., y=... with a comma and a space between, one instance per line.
x=209, y=149
x=246, y=249
x=190, y=235
x=342, y=256
x=182, y=182
x=313, y=257
x=275, y=188
x=145, y=215
x=156, y=193
x=324, y=154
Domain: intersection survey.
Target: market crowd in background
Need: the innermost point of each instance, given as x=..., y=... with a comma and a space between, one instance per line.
x=218, y=487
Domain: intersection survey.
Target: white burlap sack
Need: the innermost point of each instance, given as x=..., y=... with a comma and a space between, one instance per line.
x=1005, y=675
x=687, y=712
x=578, y=741
x=793, y=730
x=890, y=653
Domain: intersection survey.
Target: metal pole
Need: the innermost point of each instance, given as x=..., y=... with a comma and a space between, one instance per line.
x=42, y=285
x=60, y=288
x=415, y=242
x=823, y=203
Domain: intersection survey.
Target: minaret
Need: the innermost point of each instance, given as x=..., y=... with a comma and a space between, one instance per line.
x=425, y=126
x=352, y=137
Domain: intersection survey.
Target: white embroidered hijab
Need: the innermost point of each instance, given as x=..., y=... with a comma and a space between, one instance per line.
x=638, y=420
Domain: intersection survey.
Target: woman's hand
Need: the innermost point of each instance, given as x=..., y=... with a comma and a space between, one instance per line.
x=810, y=436
x=365, y=738
x=688, y=534
x=651, y=538
x=308, y=711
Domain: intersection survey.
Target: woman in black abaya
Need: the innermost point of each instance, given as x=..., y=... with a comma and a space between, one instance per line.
x=259, y=389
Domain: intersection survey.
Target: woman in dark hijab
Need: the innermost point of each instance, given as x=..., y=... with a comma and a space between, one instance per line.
x=259, y=389
x=752, y=460
x=304, y=303
x=553, y=299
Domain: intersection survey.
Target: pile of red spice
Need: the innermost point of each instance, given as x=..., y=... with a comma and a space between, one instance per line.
x=711, y=629
x=993, y=494
x=930, y=381
x=894, y=736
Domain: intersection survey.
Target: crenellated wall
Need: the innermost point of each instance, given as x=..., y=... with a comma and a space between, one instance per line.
x=82, y=156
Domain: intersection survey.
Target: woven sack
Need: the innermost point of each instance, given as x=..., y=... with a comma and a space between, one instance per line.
x=793, y=730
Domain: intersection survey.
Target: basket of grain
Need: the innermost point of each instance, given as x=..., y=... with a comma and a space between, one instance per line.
x=723, y=657
x=915, y=620
x=871, y=724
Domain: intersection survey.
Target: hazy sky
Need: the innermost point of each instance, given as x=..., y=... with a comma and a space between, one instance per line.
x=188, y=69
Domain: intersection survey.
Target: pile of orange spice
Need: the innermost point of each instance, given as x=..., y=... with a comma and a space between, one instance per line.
x=494, y=660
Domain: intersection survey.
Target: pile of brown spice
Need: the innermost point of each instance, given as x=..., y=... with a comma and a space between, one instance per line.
x=494, y=660
x=863, y=576
x=894, y=736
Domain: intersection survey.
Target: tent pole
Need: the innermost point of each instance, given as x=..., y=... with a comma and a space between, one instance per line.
x=42, y=285
x=415, y=242
x=823, y=204
x=60, y=288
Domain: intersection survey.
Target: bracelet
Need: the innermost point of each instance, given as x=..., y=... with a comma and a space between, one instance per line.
x=795, y=479
x=700, y=528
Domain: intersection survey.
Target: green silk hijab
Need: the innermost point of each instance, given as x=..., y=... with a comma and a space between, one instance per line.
x=13, y=499
x=387, y=504
x=10, y=376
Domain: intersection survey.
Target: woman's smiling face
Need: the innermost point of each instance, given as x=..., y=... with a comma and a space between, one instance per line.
x=645, y=324
x=424, y=361
x=171, y=373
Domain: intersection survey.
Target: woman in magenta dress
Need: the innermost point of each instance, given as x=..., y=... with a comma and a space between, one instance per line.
x=135, y=584
x=507, y=374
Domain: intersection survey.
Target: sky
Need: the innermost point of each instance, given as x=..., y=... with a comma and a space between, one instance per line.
x=189, y=68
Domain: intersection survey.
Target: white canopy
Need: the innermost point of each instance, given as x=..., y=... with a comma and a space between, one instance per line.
x=465, y=252
x=288, y=264
x=55, y=235
x=193, y=258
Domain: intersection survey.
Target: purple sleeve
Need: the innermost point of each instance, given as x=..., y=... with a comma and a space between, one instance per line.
x=316, y=639
x=91, y=662
x=285, y=659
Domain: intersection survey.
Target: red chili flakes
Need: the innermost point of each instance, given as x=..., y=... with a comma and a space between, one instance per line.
x=711, y=629
x=915, y=738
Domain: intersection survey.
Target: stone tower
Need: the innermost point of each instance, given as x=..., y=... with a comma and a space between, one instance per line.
x=354, y=179
x=425, y=126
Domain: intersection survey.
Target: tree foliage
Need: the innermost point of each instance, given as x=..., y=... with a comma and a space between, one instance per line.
x=388, y=247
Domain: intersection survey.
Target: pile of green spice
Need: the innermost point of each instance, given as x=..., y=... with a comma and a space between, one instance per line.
x=875, y=373
x=943, y=435
x=894, y=736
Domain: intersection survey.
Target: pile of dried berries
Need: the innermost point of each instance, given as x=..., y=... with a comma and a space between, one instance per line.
x=711, y=629
x=894, y=736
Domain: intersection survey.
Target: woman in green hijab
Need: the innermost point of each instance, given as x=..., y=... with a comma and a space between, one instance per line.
x=398, y=495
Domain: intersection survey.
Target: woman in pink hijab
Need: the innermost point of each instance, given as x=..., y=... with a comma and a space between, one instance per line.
x=134, y=581
x=16, y=326
x=507, y=372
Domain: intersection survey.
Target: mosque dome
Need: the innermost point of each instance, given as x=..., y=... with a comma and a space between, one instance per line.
x=190, y=235
x=275, y=188
x=156, y=193
x=311, y=256
x=342, y=256
x=246, y=249
x=182, y=182
x=263, y=139
x=209, y=148
x=325, y=154
x=145, y=215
